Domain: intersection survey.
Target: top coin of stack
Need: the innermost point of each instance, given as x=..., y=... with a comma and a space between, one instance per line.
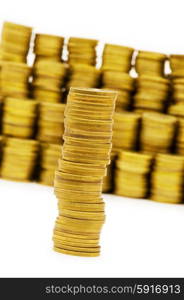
x=82, y=51
x=151, y=93
x=15, y=42
x=177, y=65
x=150, y=63
x=167, y=179
x=131, y=175
x=117, y=58
x=19, y=117
x=15, y=79
x=48, y=47
x=48, y=79
x=83, y=76
x=78, y=181
x=157, y=132
x=122, y=83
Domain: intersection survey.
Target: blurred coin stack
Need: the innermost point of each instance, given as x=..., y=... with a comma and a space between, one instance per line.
x=178, y=89
x=82, y=51
x=48, y=47
x=167, y=179
x=158, y=131
x=19, y=116
x=49, y=155
x=177, y=110
x=125, y=131
x=48, y=81
x=117, y=58
x=51, y=122
x=78, y=181
x=151, y=93
x=150, y=63
x=123, y=84
x=19, y=159
x=132, y=174
x=81, y=75
x=108, y=180
x=15, y=79
x=15, y=42
x=177, y=65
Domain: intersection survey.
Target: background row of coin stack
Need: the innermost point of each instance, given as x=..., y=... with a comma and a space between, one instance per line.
x=149, y=117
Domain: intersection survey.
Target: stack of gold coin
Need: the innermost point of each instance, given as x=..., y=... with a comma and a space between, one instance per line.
x=48, y=47
x=82, y=51
x=117, y=58
x=19, y=159
x=158, y=131
x=150, y=63
x=15, y=42
x=167, y=179
x=49, y=156
x=178, y=89
x=178, y=111
x=19, y=116
x=48, y=80
x=125, y=131
x=108, y=180
x=81, y=75
x=132, y=174
x=78, y=181
x=122, y=83
x=151, y=93
x=51, y=122
x=177, y=65
x=15, y=79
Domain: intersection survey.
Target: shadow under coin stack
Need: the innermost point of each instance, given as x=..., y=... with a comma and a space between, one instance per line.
x=82, y=51
x=132, y=174
x=15, y=79
x=15, y=42
x=177, y=110
x=83, y=76
x=123, y=84
x=78, y=181
x=157, y=134
x=19, y=159
x=48, y=81
x=151, y=93
x=19, y=116
x=48, y=47
x=150, y=63
x=117, y=58
x=51, y=122
x=49, y=155
x=125, y=131
x=167, y=179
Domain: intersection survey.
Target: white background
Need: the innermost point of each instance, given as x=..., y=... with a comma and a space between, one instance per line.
x=140, y=237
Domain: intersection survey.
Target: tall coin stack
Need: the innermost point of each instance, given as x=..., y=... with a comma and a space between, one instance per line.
x=132, y=174
x=51, y=122
x=81, y=75
x=158, y=131
x=122, y=83
x=19, y=116
x=82, y=51
x=178, y=111
x=49, y=155
x=167, y=179
x=78, y=181
x=125, y=131
x=19, y=159
x=48, y=80
x=150, y=63
x=48, y=47
x=15, y=42
x=15, y=79
x=117, y=58
x=151, y=93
